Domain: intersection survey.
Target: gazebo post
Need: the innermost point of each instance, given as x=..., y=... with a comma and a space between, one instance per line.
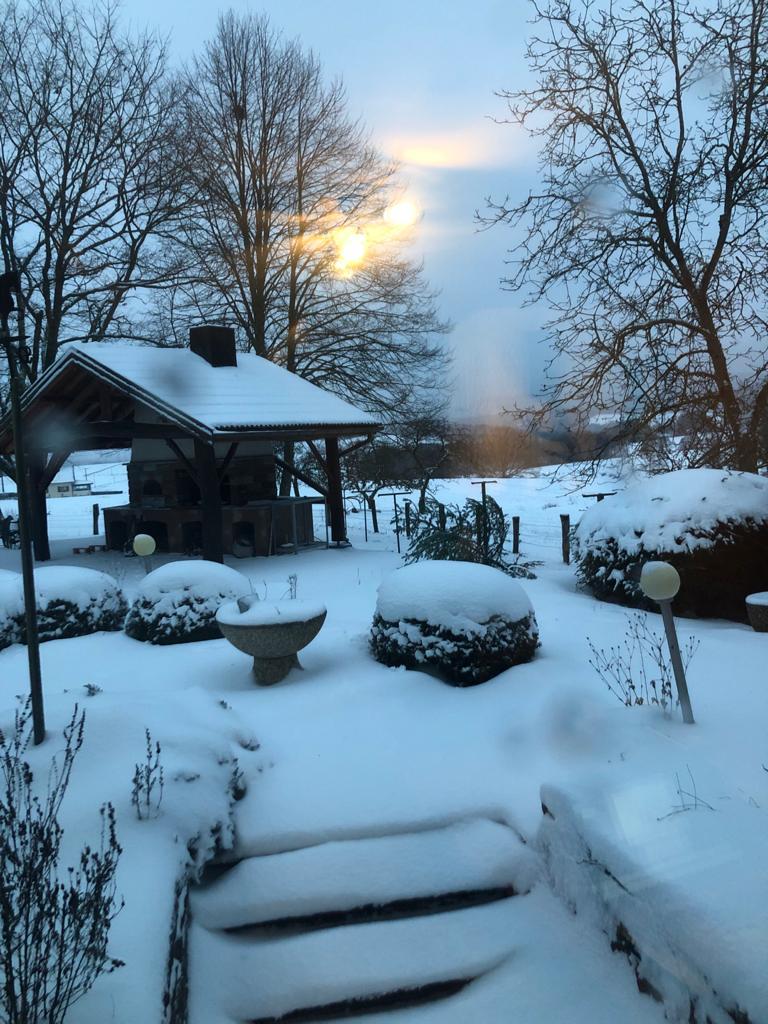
x=39, y=506
x=335, y=495
x=210, y=502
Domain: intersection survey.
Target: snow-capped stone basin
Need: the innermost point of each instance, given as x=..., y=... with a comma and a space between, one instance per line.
x=272, y=632
x=757, y=611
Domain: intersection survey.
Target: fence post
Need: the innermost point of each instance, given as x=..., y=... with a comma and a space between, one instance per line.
x=565, y=526
x=95, y=519
x=515, y=535
x=407, y=519
x=441, y=516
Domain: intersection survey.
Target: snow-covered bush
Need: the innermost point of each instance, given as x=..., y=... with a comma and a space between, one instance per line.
x=466, y=621
x=177, y=603
x=711, y=524
x=71, y=601
x=11, y=609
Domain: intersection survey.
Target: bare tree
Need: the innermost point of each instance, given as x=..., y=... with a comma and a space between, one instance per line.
x=648, y=233
x=288, y=239
x=88, y=182
x=425, y=437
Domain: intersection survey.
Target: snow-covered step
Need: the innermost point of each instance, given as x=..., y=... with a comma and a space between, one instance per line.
x=234, y=977
x=562, y=972
x=474, y=858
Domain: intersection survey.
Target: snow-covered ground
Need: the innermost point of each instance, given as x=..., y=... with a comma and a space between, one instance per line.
x=349, y=748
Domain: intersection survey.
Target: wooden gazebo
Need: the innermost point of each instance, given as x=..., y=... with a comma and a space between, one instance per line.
x=211, y=413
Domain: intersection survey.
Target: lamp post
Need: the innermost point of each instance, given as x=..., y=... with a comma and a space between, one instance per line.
x=144, y=546
x=10, y=287
x=661, y=581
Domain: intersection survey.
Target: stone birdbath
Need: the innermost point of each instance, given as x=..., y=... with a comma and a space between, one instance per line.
x=757, y=611
x=272, y=632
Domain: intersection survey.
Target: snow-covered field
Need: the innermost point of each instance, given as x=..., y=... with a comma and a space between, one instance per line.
x=350, y=749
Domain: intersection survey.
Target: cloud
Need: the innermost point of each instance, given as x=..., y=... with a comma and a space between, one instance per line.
x=474, y=144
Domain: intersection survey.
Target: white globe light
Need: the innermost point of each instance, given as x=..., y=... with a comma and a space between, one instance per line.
x=144, y=545
x=659, y=580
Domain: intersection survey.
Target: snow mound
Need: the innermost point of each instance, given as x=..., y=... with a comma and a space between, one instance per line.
x=178, y=602
x=676, y=511
x=71, y=601
x=460, y=596
x=269, y=613
x=11, y=608
x=198, y=577
x=72, y=583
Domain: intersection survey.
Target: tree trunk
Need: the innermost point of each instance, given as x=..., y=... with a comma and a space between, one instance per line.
x=423, y=495
x=371, y=503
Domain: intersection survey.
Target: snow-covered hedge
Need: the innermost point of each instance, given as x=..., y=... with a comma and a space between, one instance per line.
x=11, y=609
x=71, y=601
x=466, y=621
x=177, y=603
x=711, y=524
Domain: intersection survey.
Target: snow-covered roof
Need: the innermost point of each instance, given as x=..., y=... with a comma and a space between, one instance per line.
x=254, y=395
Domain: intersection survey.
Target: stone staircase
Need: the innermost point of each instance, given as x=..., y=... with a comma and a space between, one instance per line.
x=356, y=927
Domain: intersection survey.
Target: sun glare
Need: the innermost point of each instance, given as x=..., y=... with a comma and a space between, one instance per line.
x=352, y=251
x=401, y=214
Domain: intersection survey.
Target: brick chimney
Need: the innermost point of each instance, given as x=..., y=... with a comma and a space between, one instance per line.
x=215, y=344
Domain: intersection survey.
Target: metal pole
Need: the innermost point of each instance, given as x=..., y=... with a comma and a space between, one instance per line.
x=677, y=661
x=515, y=535
x=365, y=517
x=397, y=523
x=25, y=543
x=485, y=522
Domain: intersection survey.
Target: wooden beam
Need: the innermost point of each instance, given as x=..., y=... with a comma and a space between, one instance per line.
x=210, y=497
x=189, y=466
x=105, y=402
x=7, y=468
x=38, y=509
x=52, y=467
x=227, y=459
x=354, y=447
x=304, y=477
x=317, y=454
x=335, y=494
x=126, y=431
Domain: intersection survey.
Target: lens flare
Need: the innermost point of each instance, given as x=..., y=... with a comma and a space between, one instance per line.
x=352, y=250
x=402, y=214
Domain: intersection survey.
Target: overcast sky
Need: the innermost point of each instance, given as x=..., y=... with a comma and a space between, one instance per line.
x=423, y=74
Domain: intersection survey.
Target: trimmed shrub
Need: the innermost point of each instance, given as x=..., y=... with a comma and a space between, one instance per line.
x=71, y=601
x=712, y=525
x=11, y=609
x=465, y=621
x=177, y=603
